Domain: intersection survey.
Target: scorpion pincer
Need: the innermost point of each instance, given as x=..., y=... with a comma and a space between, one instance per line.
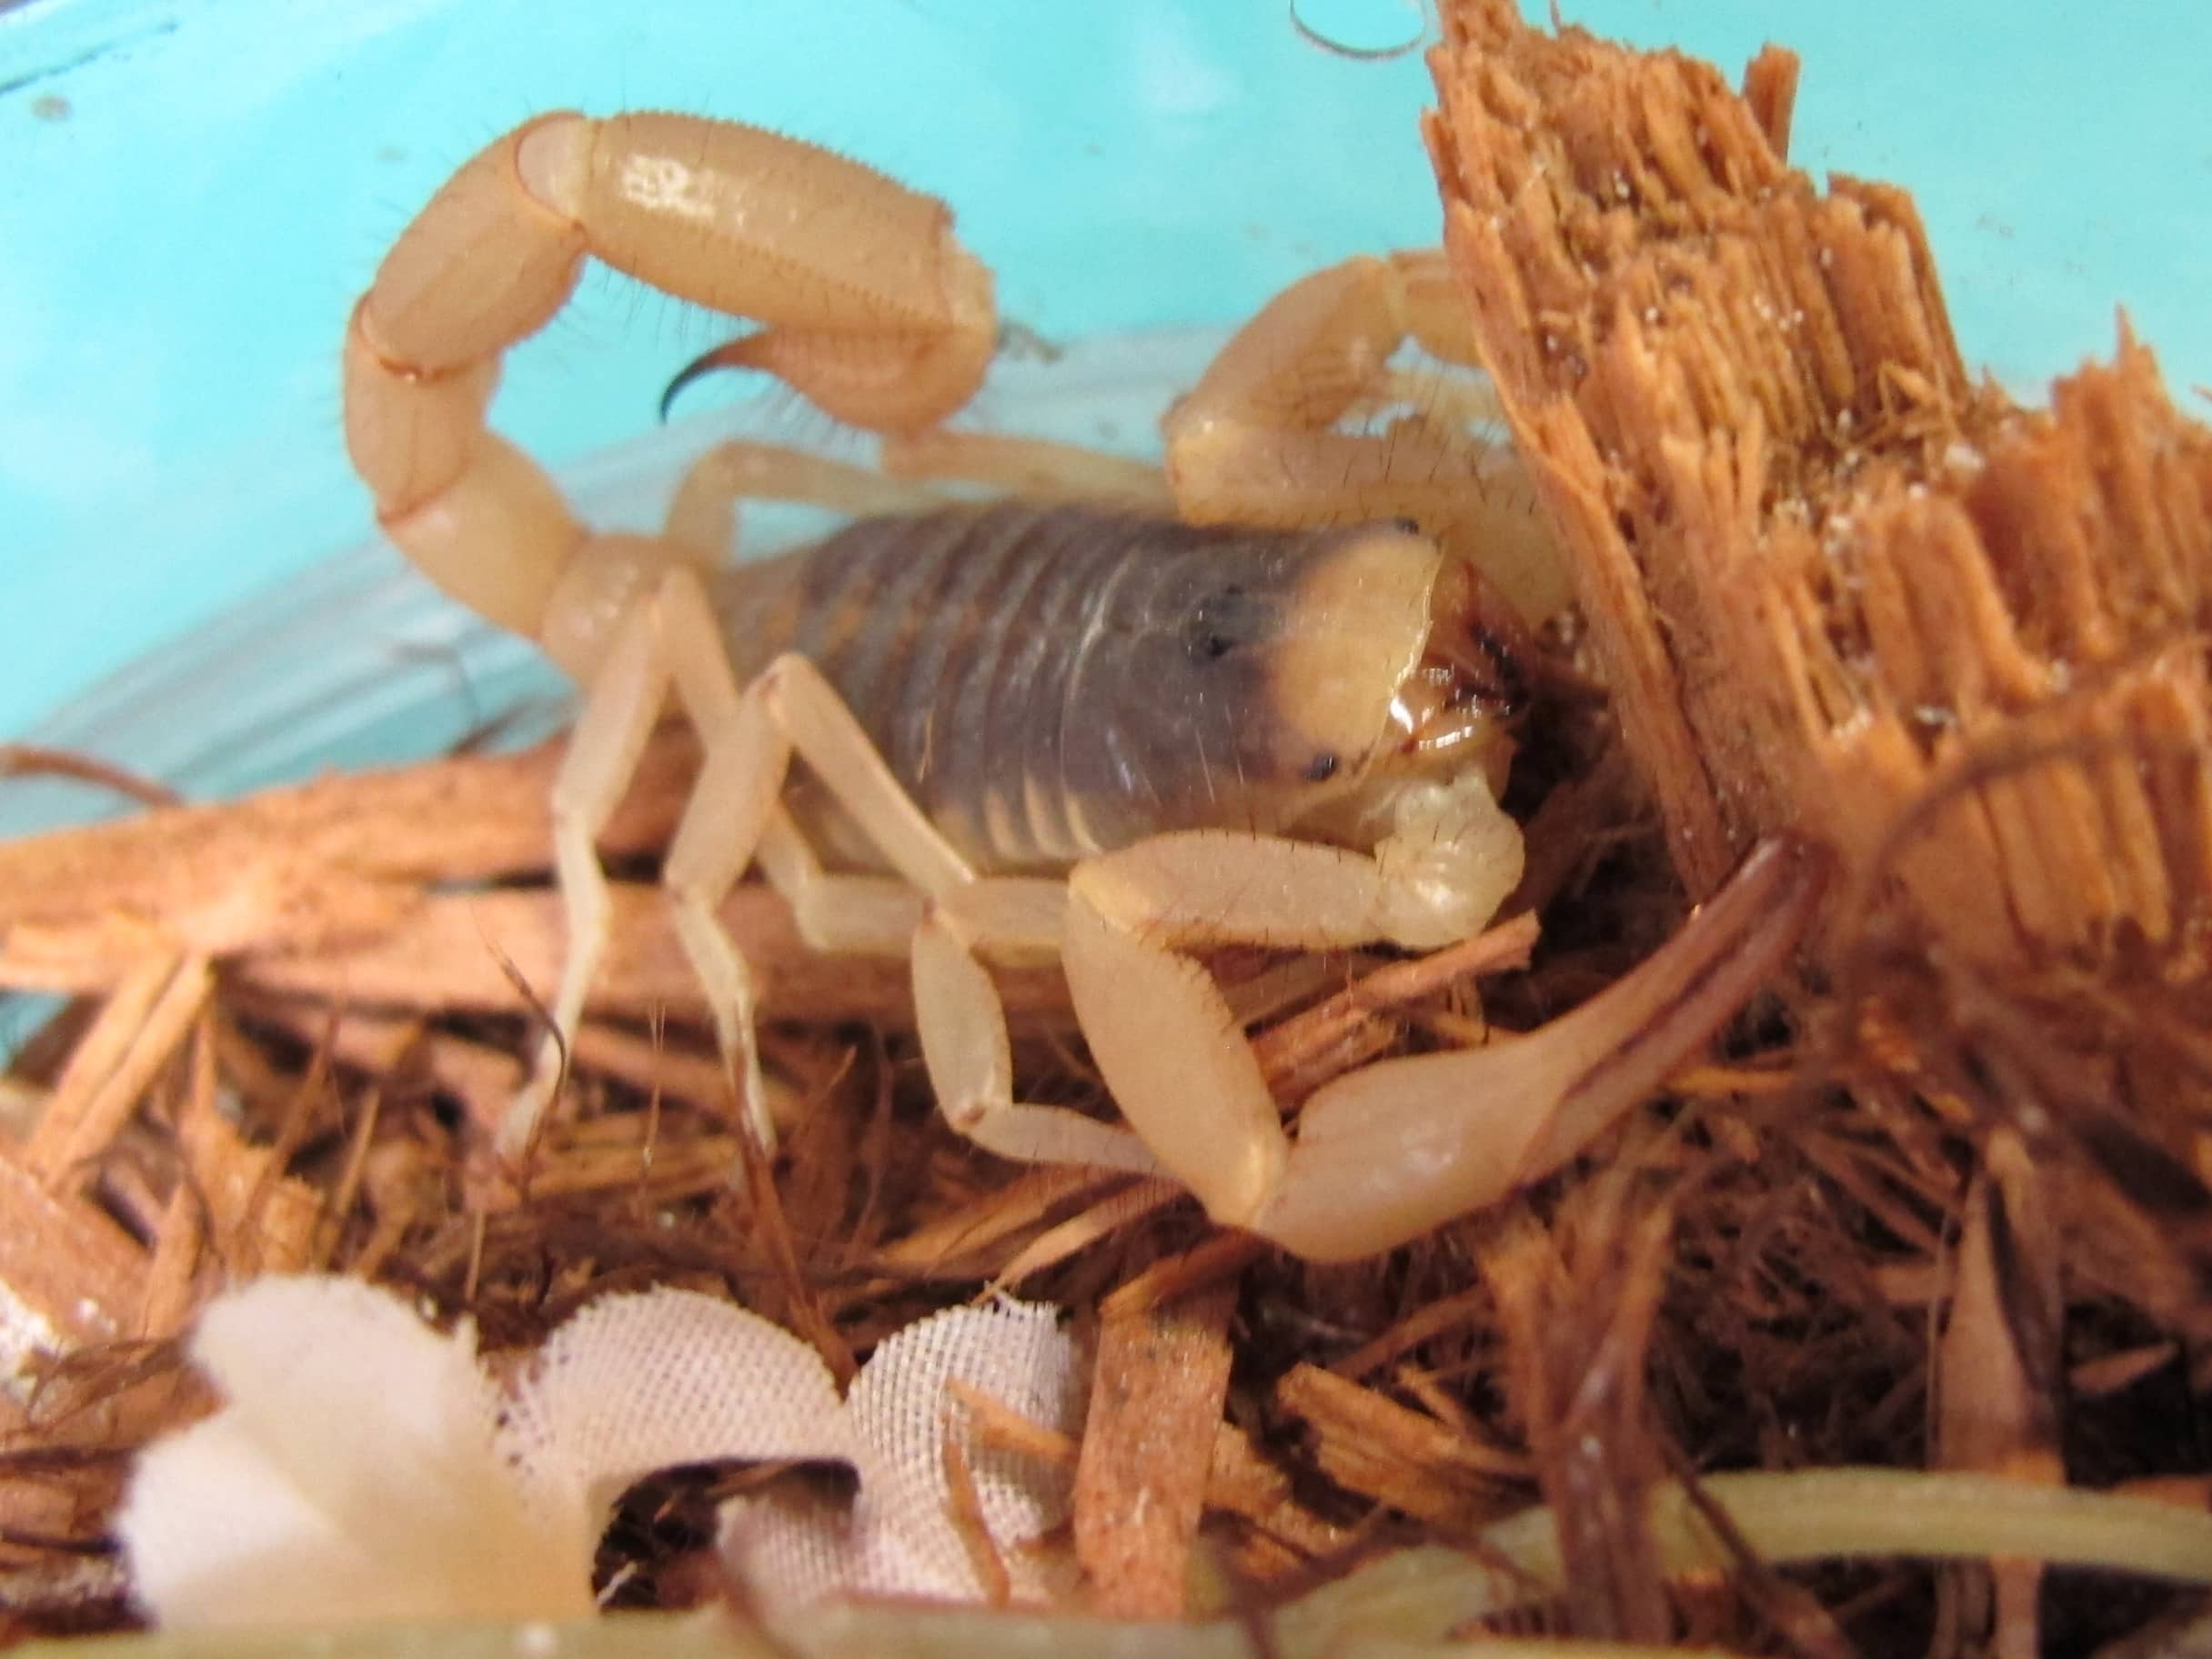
x=1107, y=735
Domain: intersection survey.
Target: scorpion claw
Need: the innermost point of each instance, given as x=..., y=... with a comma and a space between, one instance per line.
x=1386, y=1154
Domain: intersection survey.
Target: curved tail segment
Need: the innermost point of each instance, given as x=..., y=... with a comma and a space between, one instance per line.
x=867, y=304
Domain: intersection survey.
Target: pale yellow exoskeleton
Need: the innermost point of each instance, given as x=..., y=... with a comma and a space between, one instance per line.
x=1272, y=710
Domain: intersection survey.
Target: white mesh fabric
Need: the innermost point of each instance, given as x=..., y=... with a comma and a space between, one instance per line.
x=636, y=1384
x=365, y=1467
x=900, y=1538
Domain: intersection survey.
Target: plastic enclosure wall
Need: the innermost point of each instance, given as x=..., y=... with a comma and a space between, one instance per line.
x=193, y=195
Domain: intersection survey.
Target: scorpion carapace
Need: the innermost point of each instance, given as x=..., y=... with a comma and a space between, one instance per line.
x=1291, y=735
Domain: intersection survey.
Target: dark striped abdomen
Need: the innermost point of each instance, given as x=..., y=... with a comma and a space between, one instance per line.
x=1048, y=683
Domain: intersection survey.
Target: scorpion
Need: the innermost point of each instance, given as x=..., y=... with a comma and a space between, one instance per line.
x=1274, y=706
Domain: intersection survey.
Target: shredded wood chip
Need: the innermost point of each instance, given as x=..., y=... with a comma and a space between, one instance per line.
x=1832, y=579
x=1141, y=1486
x=1370, y=1445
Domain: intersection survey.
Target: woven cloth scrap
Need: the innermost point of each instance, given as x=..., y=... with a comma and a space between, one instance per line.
x=365, y=1466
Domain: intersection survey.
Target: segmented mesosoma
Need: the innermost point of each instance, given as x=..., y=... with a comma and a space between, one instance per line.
x=1054, y=682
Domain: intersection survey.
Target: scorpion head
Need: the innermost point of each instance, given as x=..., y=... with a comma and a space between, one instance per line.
x=1294, y=682
x=1399, y=663
x=1462, y=699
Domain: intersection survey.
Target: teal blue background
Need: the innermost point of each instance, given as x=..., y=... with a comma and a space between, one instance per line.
x=192, y=193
